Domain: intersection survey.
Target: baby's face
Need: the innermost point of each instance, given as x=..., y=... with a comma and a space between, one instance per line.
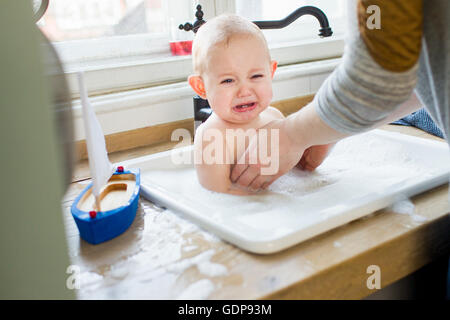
x=238, y=79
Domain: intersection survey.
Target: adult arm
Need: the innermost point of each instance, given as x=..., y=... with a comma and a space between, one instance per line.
x=298, y=132
x=377, y=75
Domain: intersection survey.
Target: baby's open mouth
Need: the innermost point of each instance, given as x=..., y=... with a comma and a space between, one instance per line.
x=245, y=107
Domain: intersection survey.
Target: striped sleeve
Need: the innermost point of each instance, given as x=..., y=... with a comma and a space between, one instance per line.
x=368, y=85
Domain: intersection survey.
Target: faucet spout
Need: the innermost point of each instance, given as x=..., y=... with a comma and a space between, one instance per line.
x=325, y=30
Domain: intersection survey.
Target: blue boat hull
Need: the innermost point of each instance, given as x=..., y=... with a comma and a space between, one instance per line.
x=107, y=224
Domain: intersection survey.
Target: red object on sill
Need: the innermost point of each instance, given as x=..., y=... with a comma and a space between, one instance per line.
x=119, y=169
x=181, y=48
x=92, y=214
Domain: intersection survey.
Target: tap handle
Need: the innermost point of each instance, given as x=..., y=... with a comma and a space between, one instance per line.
x=199, y=13
x=197, y=24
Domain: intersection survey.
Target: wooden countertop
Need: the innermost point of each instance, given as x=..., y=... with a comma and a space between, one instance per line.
x=163, y=256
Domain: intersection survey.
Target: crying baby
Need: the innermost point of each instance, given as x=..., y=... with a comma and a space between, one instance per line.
x=233, y=71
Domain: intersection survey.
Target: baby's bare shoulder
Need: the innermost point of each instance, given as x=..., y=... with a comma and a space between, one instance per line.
x=211, y=127
x=209, y=131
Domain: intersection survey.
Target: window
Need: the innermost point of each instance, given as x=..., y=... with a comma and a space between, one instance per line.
x=74, y=20
x=90, y=32
x=124, y=44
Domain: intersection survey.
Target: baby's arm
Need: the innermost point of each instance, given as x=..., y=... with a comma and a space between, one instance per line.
x=214, y=176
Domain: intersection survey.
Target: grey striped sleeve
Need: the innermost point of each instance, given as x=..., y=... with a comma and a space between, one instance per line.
x=360, y=93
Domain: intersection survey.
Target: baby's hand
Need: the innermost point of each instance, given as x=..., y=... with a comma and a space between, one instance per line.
x=314, y=156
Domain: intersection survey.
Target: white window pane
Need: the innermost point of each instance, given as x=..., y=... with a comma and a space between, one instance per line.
x=87, y=19
x=305, y=27
x=87, y=31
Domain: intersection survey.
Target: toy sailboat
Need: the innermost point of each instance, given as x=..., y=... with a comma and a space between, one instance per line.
x=106, y=207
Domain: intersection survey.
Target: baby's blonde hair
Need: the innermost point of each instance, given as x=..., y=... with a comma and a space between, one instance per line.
x=220, y=30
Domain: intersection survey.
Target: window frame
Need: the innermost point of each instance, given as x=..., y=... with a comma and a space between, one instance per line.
x=111, y=74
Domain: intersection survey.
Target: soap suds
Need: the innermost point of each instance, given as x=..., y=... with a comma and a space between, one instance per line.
x=211, y=269
x=359, y=166
x=419, y=218
x=164, y=239
x=337, y=244
x=89, y=281
x=199, y=290
x=405, y=206
x=203, y=264
x=189, y=248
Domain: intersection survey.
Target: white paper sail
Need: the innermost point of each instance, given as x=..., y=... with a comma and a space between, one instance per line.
x=99, y=164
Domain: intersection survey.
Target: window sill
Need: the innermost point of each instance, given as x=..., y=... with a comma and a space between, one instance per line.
x=130, y=110
x=134, y=72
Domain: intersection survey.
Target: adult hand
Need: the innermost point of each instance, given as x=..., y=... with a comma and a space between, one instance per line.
x=301, y=130
x=284, y=154
x=314, y=156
